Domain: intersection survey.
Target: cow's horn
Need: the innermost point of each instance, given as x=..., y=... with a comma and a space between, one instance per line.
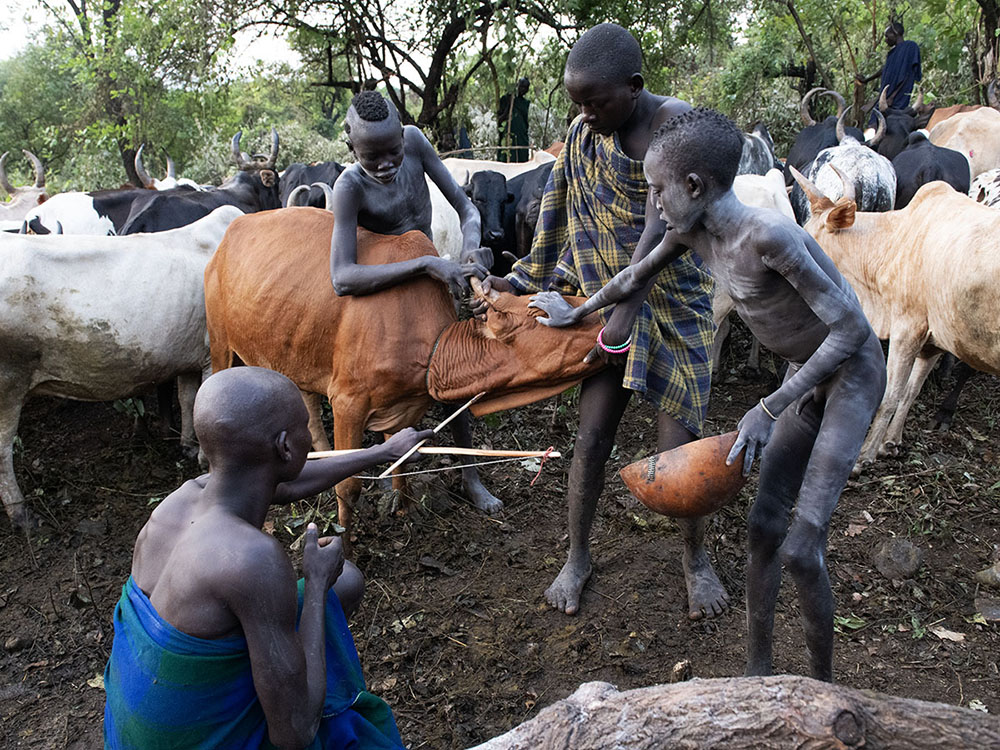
x=841, y=104
x=840, y=125
x=273, y=158
x=920, y=101
x=812, y=192
x=237, y=154
x=39, y=169
x=293, y=197
x=327, y=192
x=171, y=168
x=883, y=101
x=879, y=132
x=848, y=184
x=804, y=108
x=140, y=170
x=4, y=182
x=992, y=96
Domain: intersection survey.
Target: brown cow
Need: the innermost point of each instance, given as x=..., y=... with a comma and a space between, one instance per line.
x=926, y=277
x=270, y=303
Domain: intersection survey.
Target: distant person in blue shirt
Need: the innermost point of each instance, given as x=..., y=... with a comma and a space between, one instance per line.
x=901, y=69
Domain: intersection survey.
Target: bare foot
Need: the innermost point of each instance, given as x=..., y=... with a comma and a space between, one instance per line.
x=564, y=593
x=706, y=596
x=481, y=497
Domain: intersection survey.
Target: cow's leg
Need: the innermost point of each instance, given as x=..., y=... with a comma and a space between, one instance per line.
x=904, y=346
x=12, y=394
x=753, y=359
x=946, y=411
x=922, y=367
x=482, y=498
x=314, y=405
x=187, y=389
x=721, y=333
x=348, y=432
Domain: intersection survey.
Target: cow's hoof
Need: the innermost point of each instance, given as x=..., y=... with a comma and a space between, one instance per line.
x=23, y=519
x=889, y=449
x=941, y=423
x=859, y=468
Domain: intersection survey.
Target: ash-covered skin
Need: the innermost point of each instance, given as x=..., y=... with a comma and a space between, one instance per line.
x=797, y=304
x=210, y=571
x=603, y=79
x=385, y=192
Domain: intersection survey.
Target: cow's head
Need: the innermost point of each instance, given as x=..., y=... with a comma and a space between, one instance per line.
x=150, y=183
x=30, y=195
x=804, y=107
x=488, y=192
x=263, y=166
x=825, y=213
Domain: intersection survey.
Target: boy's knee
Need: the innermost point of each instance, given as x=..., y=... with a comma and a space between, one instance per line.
x=350, y=587
x=766, y=527
x=804, y=549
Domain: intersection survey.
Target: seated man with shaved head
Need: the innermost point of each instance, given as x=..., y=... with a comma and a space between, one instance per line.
x=215, y=646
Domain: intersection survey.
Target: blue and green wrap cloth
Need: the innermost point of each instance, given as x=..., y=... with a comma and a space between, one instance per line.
x=167, y=690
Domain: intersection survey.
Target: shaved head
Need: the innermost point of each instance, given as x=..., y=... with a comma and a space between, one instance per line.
x=606, y=52
x=239, y=412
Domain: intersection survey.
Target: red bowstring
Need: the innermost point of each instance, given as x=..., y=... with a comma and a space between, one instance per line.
x=541, y=466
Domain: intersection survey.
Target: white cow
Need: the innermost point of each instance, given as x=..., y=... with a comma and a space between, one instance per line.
x=22, y=199
x=170, y=179
x=975, y=135
x=101, y=318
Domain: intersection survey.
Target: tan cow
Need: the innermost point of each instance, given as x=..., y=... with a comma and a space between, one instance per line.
x=975, y=135
x=270, y=303
x=928, y=278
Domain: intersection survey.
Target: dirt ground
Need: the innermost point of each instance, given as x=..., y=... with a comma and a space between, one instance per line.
x=454, y=632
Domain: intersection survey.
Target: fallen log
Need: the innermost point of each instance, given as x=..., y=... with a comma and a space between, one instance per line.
x=747, y=713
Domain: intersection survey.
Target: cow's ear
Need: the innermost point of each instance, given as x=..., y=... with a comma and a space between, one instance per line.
x=510, y=197
x=841, y=216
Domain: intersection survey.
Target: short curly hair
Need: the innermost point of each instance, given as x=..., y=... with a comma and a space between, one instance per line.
x=607, y=51
x=703, y=141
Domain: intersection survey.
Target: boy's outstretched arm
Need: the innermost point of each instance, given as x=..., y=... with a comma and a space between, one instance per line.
x=472, y=233
x=321, y=474
x=351, y=278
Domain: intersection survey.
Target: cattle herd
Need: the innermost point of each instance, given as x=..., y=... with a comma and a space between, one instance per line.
x=909, y=210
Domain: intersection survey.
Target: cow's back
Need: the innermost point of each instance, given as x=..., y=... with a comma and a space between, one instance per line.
x=270, y=302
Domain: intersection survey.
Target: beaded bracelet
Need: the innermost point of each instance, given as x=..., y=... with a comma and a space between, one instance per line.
x=616, y=349
x=767, y=411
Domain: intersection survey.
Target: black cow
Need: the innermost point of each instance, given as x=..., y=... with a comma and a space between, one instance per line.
x=816, y=136
x=297, y=175
x=921, y=162
x=489, y=194
x=758, y=152
x=253, y=188
x=899, y=123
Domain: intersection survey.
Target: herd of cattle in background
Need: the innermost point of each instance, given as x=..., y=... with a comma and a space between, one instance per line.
x=909, y=211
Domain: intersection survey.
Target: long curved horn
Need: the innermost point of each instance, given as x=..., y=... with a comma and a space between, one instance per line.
x=841, y=104
x=293, y=197
x=840, y=124
x=920, y=101
x=238, y=156
x=804, y=108
x=328, y=192
x=273, y=158
x=171, y=169
x=812, y=192
x=875, y=139
x=4, y=182
x=848, y=184
x=883, y=101
x=39, y=168
x=140, y=170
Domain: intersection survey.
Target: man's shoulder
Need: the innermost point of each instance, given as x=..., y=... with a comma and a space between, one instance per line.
x=669, y=106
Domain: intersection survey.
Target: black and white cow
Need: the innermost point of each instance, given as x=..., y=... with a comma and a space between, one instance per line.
x=758, y=152
x=816, y=136
x=985, y=188
x=872, y=174
x=253, y=188
x=307, y=175
x=922, y=162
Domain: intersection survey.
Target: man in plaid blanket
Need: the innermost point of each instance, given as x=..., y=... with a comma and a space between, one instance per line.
x=595, y=218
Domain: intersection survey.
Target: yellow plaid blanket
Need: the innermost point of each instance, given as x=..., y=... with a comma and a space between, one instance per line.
x=592, y=214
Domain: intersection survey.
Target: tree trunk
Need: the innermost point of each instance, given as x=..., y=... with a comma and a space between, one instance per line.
x=748, y=713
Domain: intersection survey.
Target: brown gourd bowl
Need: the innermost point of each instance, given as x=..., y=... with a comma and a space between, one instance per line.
x=688, y=481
